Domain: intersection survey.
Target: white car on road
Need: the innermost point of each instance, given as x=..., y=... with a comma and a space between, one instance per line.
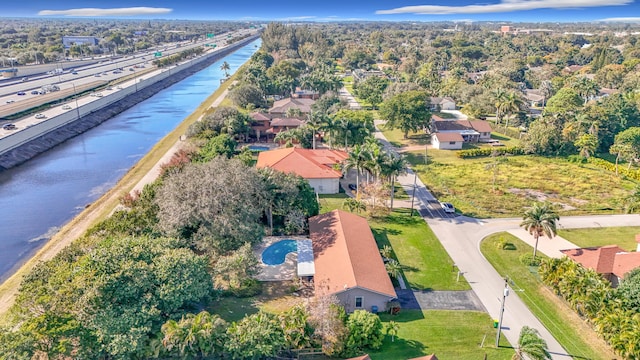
x=448, y=207
x=40, y=116
x=66, y=107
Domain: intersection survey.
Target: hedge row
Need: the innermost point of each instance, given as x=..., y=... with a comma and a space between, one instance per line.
x=471, y=153
x=622, y=170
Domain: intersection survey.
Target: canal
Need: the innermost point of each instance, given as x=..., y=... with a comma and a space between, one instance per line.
x=41, y=195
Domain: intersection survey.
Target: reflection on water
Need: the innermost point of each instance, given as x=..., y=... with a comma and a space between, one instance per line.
x=37, y=197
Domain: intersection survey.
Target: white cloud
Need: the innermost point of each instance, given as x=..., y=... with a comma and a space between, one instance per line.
x=503, y=6
x=621, y=19
x=96, y=12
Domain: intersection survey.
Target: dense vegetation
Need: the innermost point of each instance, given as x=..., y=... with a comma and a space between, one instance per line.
x=613, y=312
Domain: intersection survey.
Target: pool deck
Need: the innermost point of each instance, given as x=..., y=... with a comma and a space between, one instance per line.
x=288, y=270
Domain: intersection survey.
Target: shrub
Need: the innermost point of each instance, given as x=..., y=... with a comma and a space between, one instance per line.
x=529, y=260
x=248, y=288
x=603, y=164
x=482, y=152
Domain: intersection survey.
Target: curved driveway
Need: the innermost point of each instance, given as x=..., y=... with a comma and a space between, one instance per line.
x=461, y=237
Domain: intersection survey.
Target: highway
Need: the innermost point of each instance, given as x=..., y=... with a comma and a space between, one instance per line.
x=135, y=67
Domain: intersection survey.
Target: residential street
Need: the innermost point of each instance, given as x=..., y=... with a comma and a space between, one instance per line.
x=461, y=237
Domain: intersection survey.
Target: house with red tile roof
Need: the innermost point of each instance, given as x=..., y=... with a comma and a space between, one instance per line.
x=316, y=166
x=611, y=261
x=348, y=263
x=268, y=125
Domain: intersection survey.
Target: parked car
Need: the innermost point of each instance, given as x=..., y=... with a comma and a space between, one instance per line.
x=9, y=126
x=21, y=93
x=66, y=107
x=448, y=207
x=40, y=116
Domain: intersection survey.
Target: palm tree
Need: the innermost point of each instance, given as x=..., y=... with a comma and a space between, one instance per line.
x=531, y=346
x=225, y=67
x=540, y=220
x=512, y=103
x=500, y=95
x=632, y=202
x=392, y=329
x=394, y=269
x=354, y=205
x=587, y=144
x=314, y=122
x=330, y=125
x=393, y=166
x=546, y=88
x=356, y=160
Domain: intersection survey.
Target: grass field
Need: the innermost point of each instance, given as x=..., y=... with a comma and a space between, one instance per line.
x=565, y=325
x=519, y=181
x=621, y=236
x=449, y=334
x=426, y=265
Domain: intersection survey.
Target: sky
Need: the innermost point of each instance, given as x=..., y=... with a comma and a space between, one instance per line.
x=334, y=10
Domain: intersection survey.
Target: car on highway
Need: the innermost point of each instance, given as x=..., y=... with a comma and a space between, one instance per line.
x=448, y=207
x=10, y=101
x=9, y=126
x=25, y=79
x=96, y=75
x=21, y=93
x=74, y=72
x=40, y=116
x=34, y=92
x=66, y=107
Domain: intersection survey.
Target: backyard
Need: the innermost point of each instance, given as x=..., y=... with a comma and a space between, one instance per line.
x=456, y=335
x=503, y=250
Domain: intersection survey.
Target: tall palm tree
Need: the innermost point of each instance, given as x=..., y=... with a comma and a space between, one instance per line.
x=330, y=125
x=314, y=122
x=225, y=67
x=356, y=160
x=499, y=95
x=393, y=166
x=540, y=220
x=531, y=346
x=512, y=103
x=546, y=88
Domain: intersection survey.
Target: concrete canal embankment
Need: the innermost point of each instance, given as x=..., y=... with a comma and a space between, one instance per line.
x=27, y=143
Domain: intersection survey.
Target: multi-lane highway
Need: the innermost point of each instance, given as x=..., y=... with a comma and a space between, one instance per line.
x=78, y=80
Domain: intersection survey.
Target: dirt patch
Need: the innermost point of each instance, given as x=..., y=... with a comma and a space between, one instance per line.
x=544, y=197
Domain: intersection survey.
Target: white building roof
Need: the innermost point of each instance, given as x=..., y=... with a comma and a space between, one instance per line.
x=305, y=258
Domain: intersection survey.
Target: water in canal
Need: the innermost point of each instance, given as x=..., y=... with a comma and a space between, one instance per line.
x=41, y=195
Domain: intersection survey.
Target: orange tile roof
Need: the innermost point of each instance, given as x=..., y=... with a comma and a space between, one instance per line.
x=281, y=106
x=346, y=255
x=625, y=262
x=428, y=357
x=609, y=259
x=480, y=126
x=310, y=164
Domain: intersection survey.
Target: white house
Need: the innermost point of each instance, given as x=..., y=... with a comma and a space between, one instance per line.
x=447, y=141
x=441, y=103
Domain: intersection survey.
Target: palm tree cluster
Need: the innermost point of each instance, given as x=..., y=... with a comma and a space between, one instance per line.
x=613, y=313
x=531, y=346
x=378, y=165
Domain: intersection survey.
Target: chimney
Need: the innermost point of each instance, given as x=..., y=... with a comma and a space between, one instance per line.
x=638, y=241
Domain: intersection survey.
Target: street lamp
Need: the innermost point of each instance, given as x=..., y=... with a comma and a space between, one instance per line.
x=505, y=293
x=413, y=194
x=75, y=95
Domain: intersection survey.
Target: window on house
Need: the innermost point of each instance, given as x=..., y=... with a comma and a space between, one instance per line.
x=358, y=302
x=452, y=142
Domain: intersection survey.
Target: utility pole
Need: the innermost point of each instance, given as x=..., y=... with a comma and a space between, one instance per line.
x=413, y=193
x=505, y=293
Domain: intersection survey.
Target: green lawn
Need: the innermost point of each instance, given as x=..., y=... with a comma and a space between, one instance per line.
x=468, y=184
x=621, y=236
x=565, y=325
x=426, y=265
x=449, y=334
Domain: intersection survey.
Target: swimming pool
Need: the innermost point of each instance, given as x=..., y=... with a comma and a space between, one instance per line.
x=258, y=148
x=276, y=252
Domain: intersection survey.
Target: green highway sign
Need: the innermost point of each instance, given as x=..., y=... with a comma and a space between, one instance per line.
x=158, y=54
x=209, y=36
